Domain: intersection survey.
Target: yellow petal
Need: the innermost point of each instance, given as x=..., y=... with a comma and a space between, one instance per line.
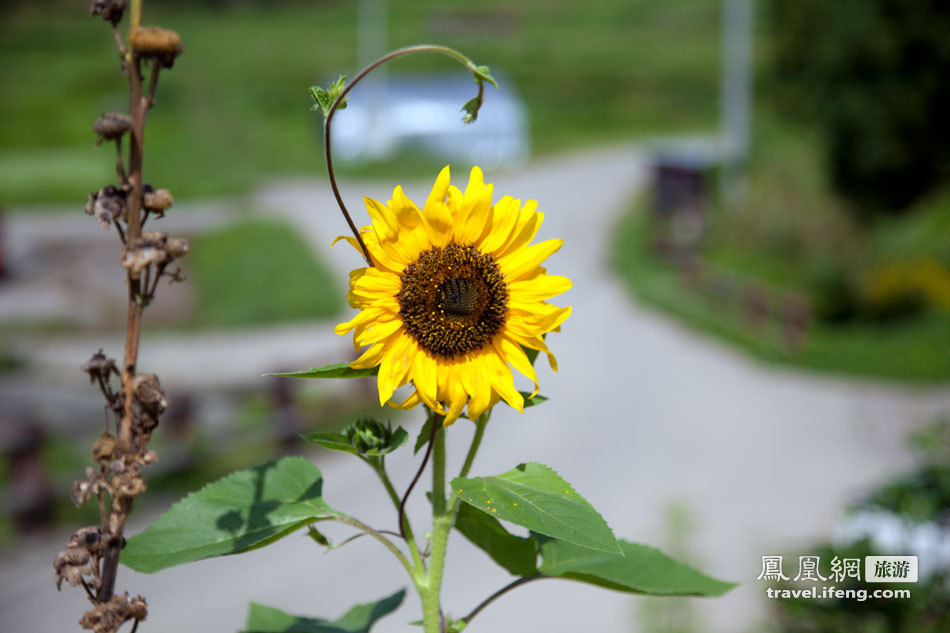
x=475, y=209
x=370, y=357
x=457, y=399
x=363, y=317
x=384, y=222
x=425, y=378
x=436, y=214
x=405, y=209
x=504, y=217
x=376, y=282
x=393, y=368
x=503, y=383
x=538, y=288
x=377, y=331
x=475, y=383
x=512, y=353
x=522, y=263
x=413, y=400
x=525, y=230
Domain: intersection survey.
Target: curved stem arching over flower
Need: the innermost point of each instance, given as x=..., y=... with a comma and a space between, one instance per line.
x=471, y=108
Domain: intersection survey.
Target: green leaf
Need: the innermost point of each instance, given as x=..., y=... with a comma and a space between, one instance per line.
x=470, y=108
x=534, y=496
x=359, y=619
x=482, y=72
x=641, y=569
x=400, y=437
x=336, y=370
x=532, y=354
x=245, y=510
x=424, y=435
x=335, y=89
x=318, y=537
x=333, y=441
x=324, y=98
x=516, y=554
x=529, y=401
x=319, y=96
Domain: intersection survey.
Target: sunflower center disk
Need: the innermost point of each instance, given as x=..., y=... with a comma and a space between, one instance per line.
x=453, y=300
x=458, y=297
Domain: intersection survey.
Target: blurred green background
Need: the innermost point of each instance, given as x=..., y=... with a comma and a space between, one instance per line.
x=235, y=110
x=845, y=206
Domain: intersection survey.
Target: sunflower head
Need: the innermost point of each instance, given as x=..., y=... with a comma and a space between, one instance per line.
x=454, y=295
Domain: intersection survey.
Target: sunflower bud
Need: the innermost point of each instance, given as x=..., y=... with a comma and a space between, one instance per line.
x=112, y=125
x=368, y=436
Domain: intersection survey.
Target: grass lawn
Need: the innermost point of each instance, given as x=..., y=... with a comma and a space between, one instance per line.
x=258, y=272
x=913, y=349
x=235, y=108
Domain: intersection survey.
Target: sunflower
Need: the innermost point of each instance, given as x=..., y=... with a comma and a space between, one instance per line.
x=455, y=294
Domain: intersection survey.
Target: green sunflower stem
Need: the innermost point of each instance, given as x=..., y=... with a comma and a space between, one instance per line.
x=444, y=513
x=480, y=73
x=380, y=468
x=442, y=522
x=438, y=471
x=480, y=425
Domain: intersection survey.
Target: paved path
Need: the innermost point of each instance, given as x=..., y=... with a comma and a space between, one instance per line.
x=644, y=414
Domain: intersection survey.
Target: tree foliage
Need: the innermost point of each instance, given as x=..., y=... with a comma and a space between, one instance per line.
x=871, y=74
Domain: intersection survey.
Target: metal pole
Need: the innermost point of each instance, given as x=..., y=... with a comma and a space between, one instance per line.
x=735, y=94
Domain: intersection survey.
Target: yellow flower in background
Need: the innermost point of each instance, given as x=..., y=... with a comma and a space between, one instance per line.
x=454, y=292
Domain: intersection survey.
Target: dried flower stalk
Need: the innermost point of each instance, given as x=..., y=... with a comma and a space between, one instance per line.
x=133, y=409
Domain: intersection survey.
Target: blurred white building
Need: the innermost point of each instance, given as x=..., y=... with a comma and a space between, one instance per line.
x=423, y=113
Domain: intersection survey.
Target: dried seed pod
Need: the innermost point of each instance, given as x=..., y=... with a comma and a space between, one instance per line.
x=99, y=365
x=107, y=204
x=104, y=449
x=89, y=538
x=144, y=421
x=154, y=41
x=81, y=492
x=149, y=392
x=85, y=489
x=177, y=246
x=112, y=125
x=146, y=458
x=156, y=199
x=138, y=608
x=107, y=617
x=129, y=482
x=71, y=565
x=144, y=251
x=110, y=10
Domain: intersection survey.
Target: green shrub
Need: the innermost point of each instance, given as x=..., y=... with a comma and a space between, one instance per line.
x=871, y=74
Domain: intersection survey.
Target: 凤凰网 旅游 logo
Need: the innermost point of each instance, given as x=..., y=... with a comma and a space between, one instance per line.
x=876, y=569
x=890, y=569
